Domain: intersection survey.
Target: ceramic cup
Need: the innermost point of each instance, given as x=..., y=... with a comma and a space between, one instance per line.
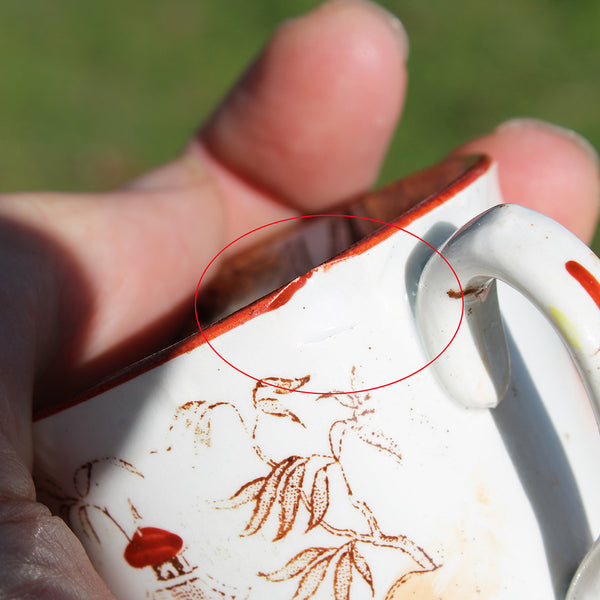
x=309, y=446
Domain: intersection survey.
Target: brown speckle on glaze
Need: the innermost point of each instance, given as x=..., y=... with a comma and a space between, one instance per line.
x=468, y=291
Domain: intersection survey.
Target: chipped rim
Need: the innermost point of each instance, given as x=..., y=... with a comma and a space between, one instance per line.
x=474, y=168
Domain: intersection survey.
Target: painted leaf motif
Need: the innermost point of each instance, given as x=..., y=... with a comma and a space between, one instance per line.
x=289, y=497
x=134, y=511
x=86, y=524
x=198, y=414
x=284, y=385
x=267, y=397
x=401, y=542
x=267, y=496
x=336, y=438
x=202, y=429
x=272, y=406
x=362, y=567
x=319, y=497
x=342, y=578
x=352, y=401
x=296, y=565
x=312, y=578
x=245, y=494
x=82, y=478
x=190, y=411
x=378, y=440
x=122, y=464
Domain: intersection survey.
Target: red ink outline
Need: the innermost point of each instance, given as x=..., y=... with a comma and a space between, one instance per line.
x=304, y=277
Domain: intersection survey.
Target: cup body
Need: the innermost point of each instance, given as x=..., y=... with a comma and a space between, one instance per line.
x=301, y=474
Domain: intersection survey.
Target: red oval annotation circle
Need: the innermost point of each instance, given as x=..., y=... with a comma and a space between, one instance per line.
x=299, y=282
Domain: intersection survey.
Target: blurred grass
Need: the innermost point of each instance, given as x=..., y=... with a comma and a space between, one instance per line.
x=93, y=93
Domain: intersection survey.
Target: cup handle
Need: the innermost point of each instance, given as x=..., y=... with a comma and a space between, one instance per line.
x=554, y=270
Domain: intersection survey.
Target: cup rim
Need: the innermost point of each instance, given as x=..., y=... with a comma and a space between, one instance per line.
x=469, y=169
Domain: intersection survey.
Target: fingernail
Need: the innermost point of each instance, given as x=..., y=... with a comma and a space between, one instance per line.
x=527, y=122
x=390, y=18
x=393, y=21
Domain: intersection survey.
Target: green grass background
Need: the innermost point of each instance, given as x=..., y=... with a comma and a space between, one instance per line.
x=92, y=93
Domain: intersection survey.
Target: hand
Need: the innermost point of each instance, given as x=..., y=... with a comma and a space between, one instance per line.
x=91, y=282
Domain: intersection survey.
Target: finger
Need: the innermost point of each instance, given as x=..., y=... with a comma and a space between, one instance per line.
x=308, y=124
x=112, y=272
x=311, y=120
x=39, y=557
x=546, y=168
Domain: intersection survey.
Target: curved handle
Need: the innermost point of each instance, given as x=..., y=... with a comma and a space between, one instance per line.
x=551, y=267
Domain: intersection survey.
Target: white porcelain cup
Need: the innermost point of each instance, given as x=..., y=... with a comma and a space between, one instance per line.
x=329, y=457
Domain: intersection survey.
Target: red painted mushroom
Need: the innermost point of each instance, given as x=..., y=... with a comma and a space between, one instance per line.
x=156, y=548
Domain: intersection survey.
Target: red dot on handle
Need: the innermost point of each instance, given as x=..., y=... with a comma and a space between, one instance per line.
x=585, y=278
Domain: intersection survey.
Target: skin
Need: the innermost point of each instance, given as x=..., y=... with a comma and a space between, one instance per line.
x=90, y=282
